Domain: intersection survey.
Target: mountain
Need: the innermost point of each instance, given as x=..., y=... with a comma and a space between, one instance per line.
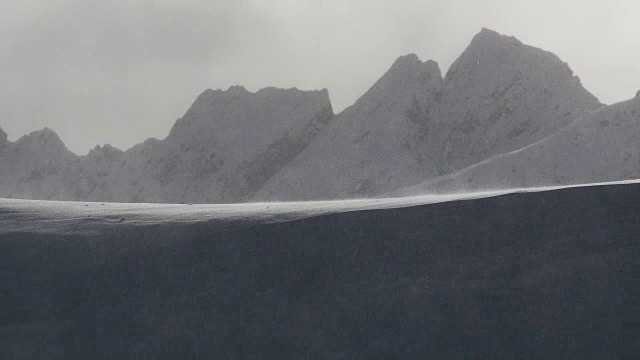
x=501, y=95
x=35, y=166
x=374, y=145
x=544, y=275
x=498, y=96
x=601, y=146
x=226, y=145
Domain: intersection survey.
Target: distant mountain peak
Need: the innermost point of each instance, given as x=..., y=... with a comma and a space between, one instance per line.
x=238, y=104
x=43, y=136
x=492, y=58
x=486, y=33
x=237, y=90
x=412, y=62
x=406, y=78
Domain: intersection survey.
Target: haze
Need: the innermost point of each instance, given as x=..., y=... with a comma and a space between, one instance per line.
x=118, y=72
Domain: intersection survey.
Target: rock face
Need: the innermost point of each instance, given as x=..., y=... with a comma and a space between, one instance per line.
x=374, y=145
x=599, y=147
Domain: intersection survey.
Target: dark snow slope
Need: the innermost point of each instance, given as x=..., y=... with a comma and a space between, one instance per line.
x=598, y=147
x=530, y=275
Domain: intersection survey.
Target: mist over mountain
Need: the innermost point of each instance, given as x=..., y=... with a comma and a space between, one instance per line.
x=411, y=129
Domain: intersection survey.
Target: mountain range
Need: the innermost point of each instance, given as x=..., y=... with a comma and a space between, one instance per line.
x=505, y=114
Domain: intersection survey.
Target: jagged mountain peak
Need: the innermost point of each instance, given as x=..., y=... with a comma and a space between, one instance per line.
x=217, y=111
x=493, y=64
x=489, y=35
x=411, y=65
x=107, y=151
x=407, y=80
x=493, y=56
x=207, y=97
x=412, y=59
x=500, y=95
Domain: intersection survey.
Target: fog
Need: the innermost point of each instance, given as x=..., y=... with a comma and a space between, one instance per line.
x=118, y=72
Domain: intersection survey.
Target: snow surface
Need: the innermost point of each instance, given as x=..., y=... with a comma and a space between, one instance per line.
x=68, y=217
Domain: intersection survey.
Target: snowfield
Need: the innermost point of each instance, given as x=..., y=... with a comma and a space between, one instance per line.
x=17, y=215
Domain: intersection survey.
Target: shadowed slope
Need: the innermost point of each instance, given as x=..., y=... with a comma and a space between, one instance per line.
x=530, y=275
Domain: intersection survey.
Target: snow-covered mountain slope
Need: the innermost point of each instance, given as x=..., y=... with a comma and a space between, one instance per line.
x=501, y=95
x=601, y=146
x=498, y=96
x=224, y=148
x=551, y=274
x=34, y=166
x=375, y=145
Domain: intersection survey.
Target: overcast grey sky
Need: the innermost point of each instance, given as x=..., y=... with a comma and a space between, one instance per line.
x=118, y=72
